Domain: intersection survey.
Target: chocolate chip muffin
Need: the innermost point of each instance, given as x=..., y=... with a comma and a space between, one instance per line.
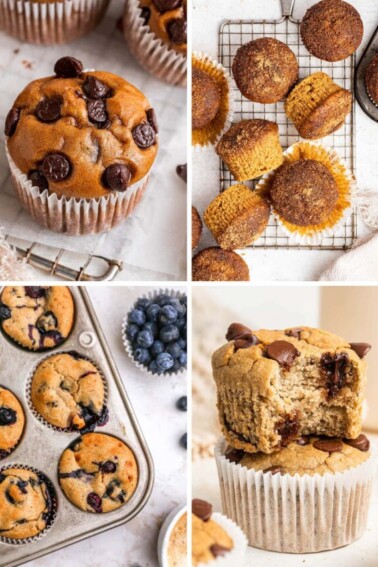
x=27, y=503
x=216, y=265
x=265, y=69
x=209, y=539
x=98, y=473
x=167, y=20
x=12, y=422
x=371, y=80
x=206, y=98
x=196, y=228
x=37, y=317
x=68, y=391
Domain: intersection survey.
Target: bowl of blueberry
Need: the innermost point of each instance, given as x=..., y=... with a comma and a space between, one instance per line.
x=154, y=332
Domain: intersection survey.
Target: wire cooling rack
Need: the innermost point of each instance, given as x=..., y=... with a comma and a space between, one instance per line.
x=232, y=35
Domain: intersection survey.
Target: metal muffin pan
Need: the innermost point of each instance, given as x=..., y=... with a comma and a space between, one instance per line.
x=359, y=83
x=41, y=447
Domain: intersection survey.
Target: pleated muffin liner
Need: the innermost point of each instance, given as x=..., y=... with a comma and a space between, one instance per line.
x=151, y=52
x=52, y=23
x=296, y=514
x=127, y=343
x=4, y=453
x=207, y=137
x=235, y=557
x=75, y=216
x=54, y=502
x=346, y=184
x=43, y=420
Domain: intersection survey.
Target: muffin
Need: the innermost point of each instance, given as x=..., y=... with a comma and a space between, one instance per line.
x=98, y=473
x=37, y=317
x=318, y=106
x=332, y=30
x=237, y=217
x=51, y=21
x=109, y=134
x=371, y=80
x=265, y=69
x=215, y=264
x=12, y=422
x=27, y=503
x=68, y=392
x=177, y=548
x=206, y=98
x=196, y=228
x=251, y=148
x=156, y=34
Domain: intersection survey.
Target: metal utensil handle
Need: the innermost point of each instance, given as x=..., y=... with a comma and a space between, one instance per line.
x=287, y=7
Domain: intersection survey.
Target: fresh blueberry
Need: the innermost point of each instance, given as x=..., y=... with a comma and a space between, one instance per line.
x=153, y=312
x=184, y=441
x=164, y=361
x=169, y=333
x=137, y=316
x=168, y=314
x=174, y=350
x=108, y=467
x=145, y=339
x=183, y=359
x=5, y=312
x=182, y=343
x=143, y=303
x=182, y=403
x=152, y=327
x=153, y=367
x=35, y=291
x=180, y=322
x=179, y=305
x=183, y=331
x=94, y=501
x=142, y=356
x=176, y=366
x=162, y=299
x=157, y=348
x=131, y=331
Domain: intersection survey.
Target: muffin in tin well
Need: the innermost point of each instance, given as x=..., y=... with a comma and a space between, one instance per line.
x=12, y=422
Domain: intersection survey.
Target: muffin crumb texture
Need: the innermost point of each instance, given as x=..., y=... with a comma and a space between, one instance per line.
x=215, y=264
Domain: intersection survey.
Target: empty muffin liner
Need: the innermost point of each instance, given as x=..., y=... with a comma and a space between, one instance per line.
x=296, y=514
x=151, y=52
x=75, y=216
x=235, y=557
x=4, y=453
x=205, y=138
x=127, y=343
x=35, y=412
x=346, y=184
x=54, y=503
x=50, y=23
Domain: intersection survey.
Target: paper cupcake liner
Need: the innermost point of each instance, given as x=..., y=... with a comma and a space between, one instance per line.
x=367, y=204
x=4, y=453
x=236, y=556
x=151, y=52
x=127, y=343
x=296, y=514
x=75, y=216
x=52, y=23
x=44, y=421
x=207, y=137
x=54, y=502
x=334, y=225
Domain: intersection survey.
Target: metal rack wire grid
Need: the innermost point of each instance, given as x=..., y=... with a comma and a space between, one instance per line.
x=232, y=35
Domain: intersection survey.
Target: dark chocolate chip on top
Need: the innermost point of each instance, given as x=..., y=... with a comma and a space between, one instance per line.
x=117, y=177
x=48, y=110
x=202, y=509
x=94, y=88
x=144, y=136
x=237, y=331
x=361, y=442
x=295, y=333
x=56, y=167
x=68, y=67
x=177, y=31
x=165, y=5
x=218, y=550
x=151, y=117
x=12, y=121
x=329, y=445
x=361, y=349
x=182, y=172
x=282, y=352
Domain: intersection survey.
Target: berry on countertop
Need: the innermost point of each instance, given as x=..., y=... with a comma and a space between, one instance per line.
x=184, y=441
x=182, y=403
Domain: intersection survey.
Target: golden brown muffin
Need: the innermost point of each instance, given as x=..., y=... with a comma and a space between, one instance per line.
x=237, y=217
x=216, y=265
x=12, y=422
x=265, y=70
x=318, y=106
x=371, y=79
x=209, y=539
x=206, y=98
x=332, y=30
x=196, y=228
x=178, y=543
x=304, y=192
x=168, y=21
x=251, y=148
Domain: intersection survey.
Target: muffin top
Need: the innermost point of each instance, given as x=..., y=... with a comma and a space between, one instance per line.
x=12, y=421
x=196, y=228
x=82, y=134
x=168, y=21
x=332, y=30
x=206, y=98
x=371, y=79
x=209, y=539
x=244, y=136
x=37, y=317
x=27, y=503
x=98, y=473
x=178, y=543
x=265, y=69
x=215, y=264
x=304, y=192
x=68, y=391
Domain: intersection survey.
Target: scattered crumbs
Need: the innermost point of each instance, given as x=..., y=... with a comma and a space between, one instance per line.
x=16, y=51
x=27, y=64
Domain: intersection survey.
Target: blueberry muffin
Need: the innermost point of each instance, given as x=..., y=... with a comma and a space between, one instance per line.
x=12, y=422
x=98, y=473
x=216, y=265
x=37, y=317
x=27, y=503
x=68, y=391
x=206, y=98
x=167, y=20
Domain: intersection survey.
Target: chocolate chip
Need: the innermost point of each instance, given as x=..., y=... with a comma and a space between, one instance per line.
x=182, y=172
x=165, y=5
x=151, y=117
x=237, y=331
x=56, y=167
x=202, y=509
x=329, y=445
x=246, y=342
x=304, y=440
x=5, y=312
x=177, y=31
x=117, y=177
x=296, y=333
x=361, y=442
x=68, y=68
x=282, y=352
x=218, y=550
x=48, y=110
x=95, y=88
x=361, y=349
x=38, y=180
x=145, y=14
x=333, y=368
x=273, y=470
x=97, y=111
x=234, y=455
x=288, y=428
x=12, y=121
x=144, y=136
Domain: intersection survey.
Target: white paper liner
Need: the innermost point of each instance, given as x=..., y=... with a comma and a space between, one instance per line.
x=151, y=52
x=55, y=23
x=201, y=56
x=338, y=229
x=75, y=216
x=367, y=203
x=235, y=558
x=127, y=343
x=296, y=514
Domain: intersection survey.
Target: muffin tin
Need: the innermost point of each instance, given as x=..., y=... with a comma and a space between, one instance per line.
x=41, y=446
x=359, y=84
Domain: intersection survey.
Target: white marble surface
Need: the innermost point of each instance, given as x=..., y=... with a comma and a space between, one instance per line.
x=135, y=543
x=281, y=265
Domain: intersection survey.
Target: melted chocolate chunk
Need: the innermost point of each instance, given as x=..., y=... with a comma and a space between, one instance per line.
x=5, y=312
x=95, y=502
x=237, y=331
x=7, y=416
x=177, y=31
x=182, y=172
x=38, y=180
x=165, y=5
x=333, y=368
x=144, y=136
x=282, y=352
x=12, y=121
x=34, y=291
x=95, y=88
x=246, y=342
x=56, y=167
x=234, y=455
x=202, y=509
x=48, y=110
x=117, y=177
x=288, y=428
x=329, y=445
x=218, y=550
x=361, y=349
x=97, y=111
x=273, y=470
x=229, y=428
x=68, y=68
x=361, y=442
x=151, y=117
x=145, y=14
x=295, y=333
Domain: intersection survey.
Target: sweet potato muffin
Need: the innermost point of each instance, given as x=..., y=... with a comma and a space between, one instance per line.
x=371, y=80
x=332, y=30
x=206, y=98
x=168, y=21
x=196, y=228
x=215, y=264
x=265, y=70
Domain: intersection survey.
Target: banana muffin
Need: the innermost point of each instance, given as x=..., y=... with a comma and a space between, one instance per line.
x=209, y=539
x=371, y=80
x=98, y=473
x=332, y=30
x=265, y=70
x=12, y=422
x=206, y=98
x=168, y=21
x=216, y=265
x=251, y=148
x=68, y=391
x=196, y=228
x=37, y=317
